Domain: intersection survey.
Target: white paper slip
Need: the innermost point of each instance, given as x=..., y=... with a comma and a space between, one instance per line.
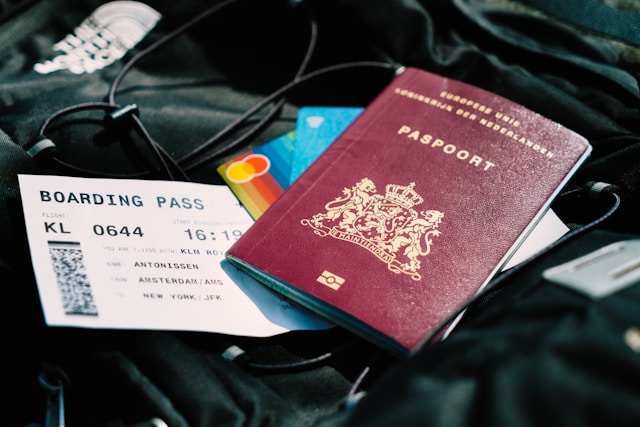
x=136, y=254
x=548, y=230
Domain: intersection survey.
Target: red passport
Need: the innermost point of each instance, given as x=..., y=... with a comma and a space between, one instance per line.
x=413, y=209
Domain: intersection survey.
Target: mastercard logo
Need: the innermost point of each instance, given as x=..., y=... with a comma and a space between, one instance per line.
x=250, y=167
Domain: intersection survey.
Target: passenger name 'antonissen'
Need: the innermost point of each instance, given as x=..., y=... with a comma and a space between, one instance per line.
x=166, y=265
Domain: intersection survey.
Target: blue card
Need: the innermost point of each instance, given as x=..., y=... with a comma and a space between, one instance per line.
x=316, y=129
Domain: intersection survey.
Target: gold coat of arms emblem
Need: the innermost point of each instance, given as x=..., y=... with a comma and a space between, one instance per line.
x=386, y=225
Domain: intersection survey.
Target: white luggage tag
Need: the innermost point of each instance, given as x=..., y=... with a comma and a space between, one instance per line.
x=601, y=272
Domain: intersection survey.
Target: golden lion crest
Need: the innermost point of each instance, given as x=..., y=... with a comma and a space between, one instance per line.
x=387, y=226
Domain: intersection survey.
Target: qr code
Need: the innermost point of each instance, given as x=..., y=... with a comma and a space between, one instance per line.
x=71, y=275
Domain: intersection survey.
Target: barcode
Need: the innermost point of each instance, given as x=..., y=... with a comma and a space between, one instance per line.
x=71, y=275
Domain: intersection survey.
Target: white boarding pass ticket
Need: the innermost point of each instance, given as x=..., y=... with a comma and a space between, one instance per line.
x=137, y=254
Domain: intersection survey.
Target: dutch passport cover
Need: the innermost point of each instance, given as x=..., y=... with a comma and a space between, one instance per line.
x=413, y=209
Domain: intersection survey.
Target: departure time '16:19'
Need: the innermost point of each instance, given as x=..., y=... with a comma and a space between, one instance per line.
x=200, y=234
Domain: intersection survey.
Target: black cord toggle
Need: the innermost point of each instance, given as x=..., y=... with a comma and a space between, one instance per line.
x=596, y=189
x=235, y=354
x=44, y=146
x=122, y=115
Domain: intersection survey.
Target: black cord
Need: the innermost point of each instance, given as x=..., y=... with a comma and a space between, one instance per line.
x=267, y=118
x=158, y=150
x=235, y=124
x=306, y=363
x=357, y=384
x=281, y=91
x=591, y=189
x=167, y=164
x=236, y=354
x=165, y=39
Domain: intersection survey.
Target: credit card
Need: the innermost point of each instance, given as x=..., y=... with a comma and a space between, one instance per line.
x=316, y=129
x=260, y=176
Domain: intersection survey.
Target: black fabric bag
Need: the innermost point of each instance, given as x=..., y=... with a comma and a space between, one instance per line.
x=537, y=354
x=533, y=354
